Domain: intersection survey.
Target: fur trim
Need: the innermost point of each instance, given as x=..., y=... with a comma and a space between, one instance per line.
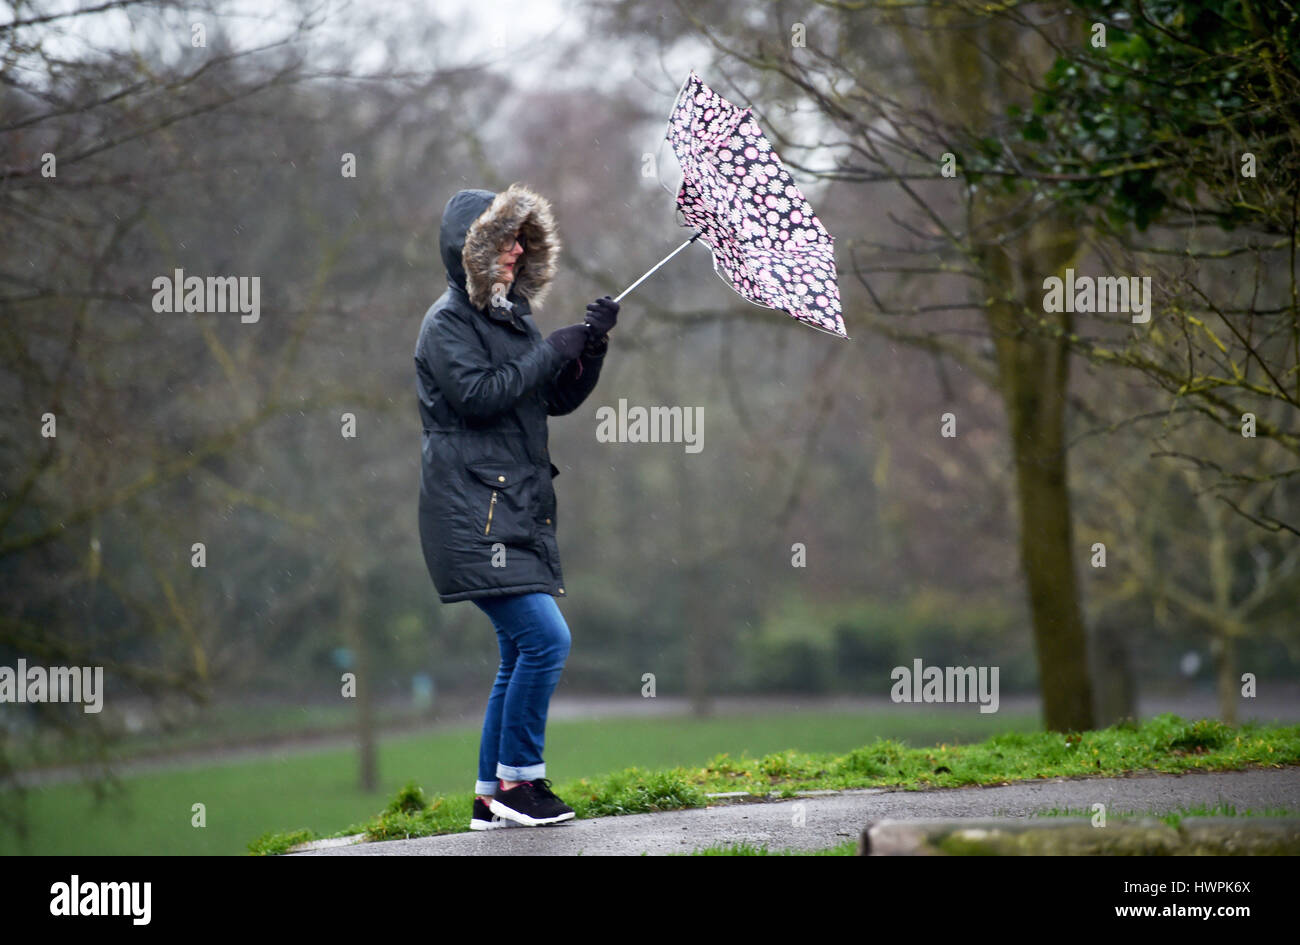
x=515, y=209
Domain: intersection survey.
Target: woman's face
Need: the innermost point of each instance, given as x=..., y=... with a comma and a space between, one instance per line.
x=508, y=258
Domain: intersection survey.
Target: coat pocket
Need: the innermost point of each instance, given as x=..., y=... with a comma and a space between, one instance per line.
x=503, y=501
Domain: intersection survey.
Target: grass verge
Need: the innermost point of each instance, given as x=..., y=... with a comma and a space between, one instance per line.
x=1166, y=743
x=847, y=848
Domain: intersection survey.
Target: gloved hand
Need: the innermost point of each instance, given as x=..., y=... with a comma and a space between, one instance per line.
x=569, y=340
x=601, y=316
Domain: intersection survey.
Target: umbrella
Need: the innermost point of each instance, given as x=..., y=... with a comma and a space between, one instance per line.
x=766, y=242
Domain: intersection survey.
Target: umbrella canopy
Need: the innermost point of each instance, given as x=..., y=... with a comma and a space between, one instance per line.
x=767, y=243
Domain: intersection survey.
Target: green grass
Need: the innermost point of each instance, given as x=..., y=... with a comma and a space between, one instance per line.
x=1165, y=743
x=210, y=728
x=847, y=848
x=315, y=792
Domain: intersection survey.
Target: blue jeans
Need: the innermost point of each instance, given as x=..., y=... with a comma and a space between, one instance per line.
x=534, y=642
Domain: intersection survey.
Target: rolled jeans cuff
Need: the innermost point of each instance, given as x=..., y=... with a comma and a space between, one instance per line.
x=527, y=773
x=485, y=788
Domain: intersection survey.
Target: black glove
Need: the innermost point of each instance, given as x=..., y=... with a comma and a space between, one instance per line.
x=569, y=340
x=601, y=316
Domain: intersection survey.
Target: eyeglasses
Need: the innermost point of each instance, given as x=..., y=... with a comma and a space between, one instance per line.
x=508, y=245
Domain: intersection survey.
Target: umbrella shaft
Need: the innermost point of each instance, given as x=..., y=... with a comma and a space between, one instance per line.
x=651, y=271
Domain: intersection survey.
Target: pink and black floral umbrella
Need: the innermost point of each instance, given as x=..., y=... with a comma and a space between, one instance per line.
x=766, y=241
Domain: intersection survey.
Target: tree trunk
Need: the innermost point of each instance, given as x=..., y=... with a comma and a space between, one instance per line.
x=695, y=611
x=1015, y=253
x=350, y=606
x=1225, y=627
x=1225, y=674
x=1033, y=372
x=1115, y=689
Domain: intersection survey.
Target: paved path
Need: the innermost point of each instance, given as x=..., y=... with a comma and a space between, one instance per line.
x=830, y=820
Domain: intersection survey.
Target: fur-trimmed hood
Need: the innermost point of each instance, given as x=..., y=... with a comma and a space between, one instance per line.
x=476, y=222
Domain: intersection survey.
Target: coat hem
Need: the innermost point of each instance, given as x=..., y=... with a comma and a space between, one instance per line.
x=497, y=592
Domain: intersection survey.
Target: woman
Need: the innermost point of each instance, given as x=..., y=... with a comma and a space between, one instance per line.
x=487, y=382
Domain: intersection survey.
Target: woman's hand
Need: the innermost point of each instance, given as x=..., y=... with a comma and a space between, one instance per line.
x=569, y=340
x=602, y=314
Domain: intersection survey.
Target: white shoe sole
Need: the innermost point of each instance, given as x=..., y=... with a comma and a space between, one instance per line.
x=509, y=813
x=496, y=823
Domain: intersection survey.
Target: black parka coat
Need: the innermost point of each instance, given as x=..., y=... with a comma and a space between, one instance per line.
x=487, y=382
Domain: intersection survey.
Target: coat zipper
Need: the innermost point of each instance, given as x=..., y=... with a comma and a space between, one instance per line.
x=492, y=505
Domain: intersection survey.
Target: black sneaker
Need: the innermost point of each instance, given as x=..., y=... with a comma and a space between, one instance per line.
x=543, y=788
x=531, y=803
x=484, y=819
